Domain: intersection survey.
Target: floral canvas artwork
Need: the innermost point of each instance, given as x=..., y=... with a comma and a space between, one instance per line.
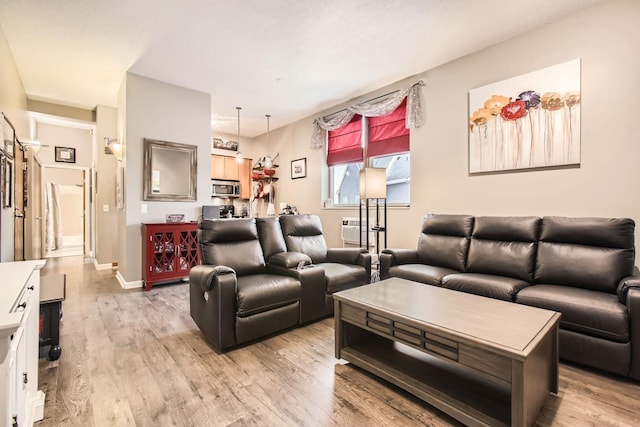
x=529, y=121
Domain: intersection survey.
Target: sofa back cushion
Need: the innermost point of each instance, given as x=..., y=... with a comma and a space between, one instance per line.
x=303, y=233
x=589, y=253
x=270, y=236
x=233, y=243
x=444, y=240
x=504, y=246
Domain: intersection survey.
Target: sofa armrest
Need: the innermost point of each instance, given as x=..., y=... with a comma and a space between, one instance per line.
x=204, y=275
x=289, y=259
x=391, y=257
x=402, y=256
x=627, y=283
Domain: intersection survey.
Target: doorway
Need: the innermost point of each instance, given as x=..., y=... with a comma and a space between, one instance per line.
x=34, y=226
x=65, y=211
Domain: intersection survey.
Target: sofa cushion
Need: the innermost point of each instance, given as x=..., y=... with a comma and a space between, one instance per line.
x=605, y=232
x=589, y=253
x=585, y=311
x=510, y=259
x=504, y=246
x=339, y=277
x=486, y=285
x=262, y=292
x=507, y=228
x=429, y=274
x=444, y=240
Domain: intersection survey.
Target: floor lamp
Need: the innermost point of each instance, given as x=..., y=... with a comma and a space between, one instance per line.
x=373, y=185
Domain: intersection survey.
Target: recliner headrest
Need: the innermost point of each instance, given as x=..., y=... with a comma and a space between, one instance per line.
x=227, y=230
x=301, y=225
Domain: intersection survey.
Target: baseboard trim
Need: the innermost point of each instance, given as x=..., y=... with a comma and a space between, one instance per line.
x=103, y=266
x=36, y=412
x=128, y=285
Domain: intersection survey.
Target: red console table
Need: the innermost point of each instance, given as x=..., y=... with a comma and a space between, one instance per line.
x=169, y=251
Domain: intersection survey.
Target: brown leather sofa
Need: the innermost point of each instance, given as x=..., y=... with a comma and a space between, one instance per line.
x=580, y=267
x=250, y=285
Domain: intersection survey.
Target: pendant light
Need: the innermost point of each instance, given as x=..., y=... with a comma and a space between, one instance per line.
x=268, y=161
x=238, y=153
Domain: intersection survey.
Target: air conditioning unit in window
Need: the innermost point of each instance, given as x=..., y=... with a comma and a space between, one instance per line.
x=350, y=228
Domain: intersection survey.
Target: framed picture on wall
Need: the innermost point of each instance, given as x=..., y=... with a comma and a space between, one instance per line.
x=8, y=137
x=65, y=154
x=299, y=168
x=7, y=183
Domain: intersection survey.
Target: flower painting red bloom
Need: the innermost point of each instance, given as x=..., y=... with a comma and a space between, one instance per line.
x=513, y=110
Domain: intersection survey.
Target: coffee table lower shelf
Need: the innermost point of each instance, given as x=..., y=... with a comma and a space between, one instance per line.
x=470, y=398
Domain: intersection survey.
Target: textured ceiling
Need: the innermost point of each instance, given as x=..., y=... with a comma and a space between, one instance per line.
x=287, y=58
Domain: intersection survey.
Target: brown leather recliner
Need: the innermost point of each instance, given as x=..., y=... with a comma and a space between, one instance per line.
x=252, y=284
x=344, y=268
x=234, y=298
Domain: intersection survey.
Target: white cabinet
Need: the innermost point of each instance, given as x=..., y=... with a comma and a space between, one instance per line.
x=21, y=404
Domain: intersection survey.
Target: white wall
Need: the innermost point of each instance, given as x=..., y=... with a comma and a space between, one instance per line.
x=106, y=165
x=606, y=38
x=65, y=136
x=13, y=103
x=164, y=112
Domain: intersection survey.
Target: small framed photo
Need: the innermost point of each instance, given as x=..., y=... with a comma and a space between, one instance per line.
x=299, y=168
x=65, y=155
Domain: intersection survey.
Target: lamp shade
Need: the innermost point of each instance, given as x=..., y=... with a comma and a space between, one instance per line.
x=373, y=183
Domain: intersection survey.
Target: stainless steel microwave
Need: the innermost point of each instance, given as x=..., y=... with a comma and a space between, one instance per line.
x=225, y=188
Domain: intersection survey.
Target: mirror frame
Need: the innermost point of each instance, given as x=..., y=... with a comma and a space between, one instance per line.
x=192, y=150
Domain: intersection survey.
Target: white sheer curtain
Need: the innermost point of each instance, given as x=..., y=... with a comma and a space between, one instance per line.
x=414, y=118
x=53, y=217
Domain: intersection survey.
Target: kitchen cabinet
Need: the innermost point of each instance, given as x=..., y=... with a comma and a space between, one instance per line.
x=244, y=174
x=169, y=251
x=228, y=168
x=224, y=167
x=21, y=403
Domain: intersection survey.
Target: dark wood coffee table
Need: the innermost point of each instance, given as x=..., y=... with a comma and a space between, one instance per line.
x=482, y=361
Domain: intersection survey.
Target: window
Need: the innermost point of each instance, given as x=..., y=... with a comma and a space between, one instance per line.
x=387, y=142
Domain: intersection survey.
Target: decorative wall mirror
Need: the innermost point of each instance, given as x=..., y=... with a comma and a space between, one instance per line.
x=170, y=171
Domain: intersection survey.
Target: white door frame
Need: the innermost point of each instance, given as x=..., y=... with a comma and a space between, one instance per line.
x=89, y=214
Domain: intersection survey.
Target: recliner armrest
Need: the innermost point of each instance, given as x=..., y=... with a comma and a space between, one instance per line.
x=627, y=283
x=289, y=259
x=633, y=308
x=204, y=275
x=356, y=256
x=313, y=288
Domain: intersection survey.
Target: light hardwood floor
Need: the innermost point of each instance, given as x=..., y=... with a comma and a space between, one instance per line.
x=136, y=358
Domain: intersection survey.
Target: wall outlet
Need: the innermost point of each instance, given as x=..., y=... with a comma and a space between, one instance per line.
x=105, y=208
x=143, y=208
